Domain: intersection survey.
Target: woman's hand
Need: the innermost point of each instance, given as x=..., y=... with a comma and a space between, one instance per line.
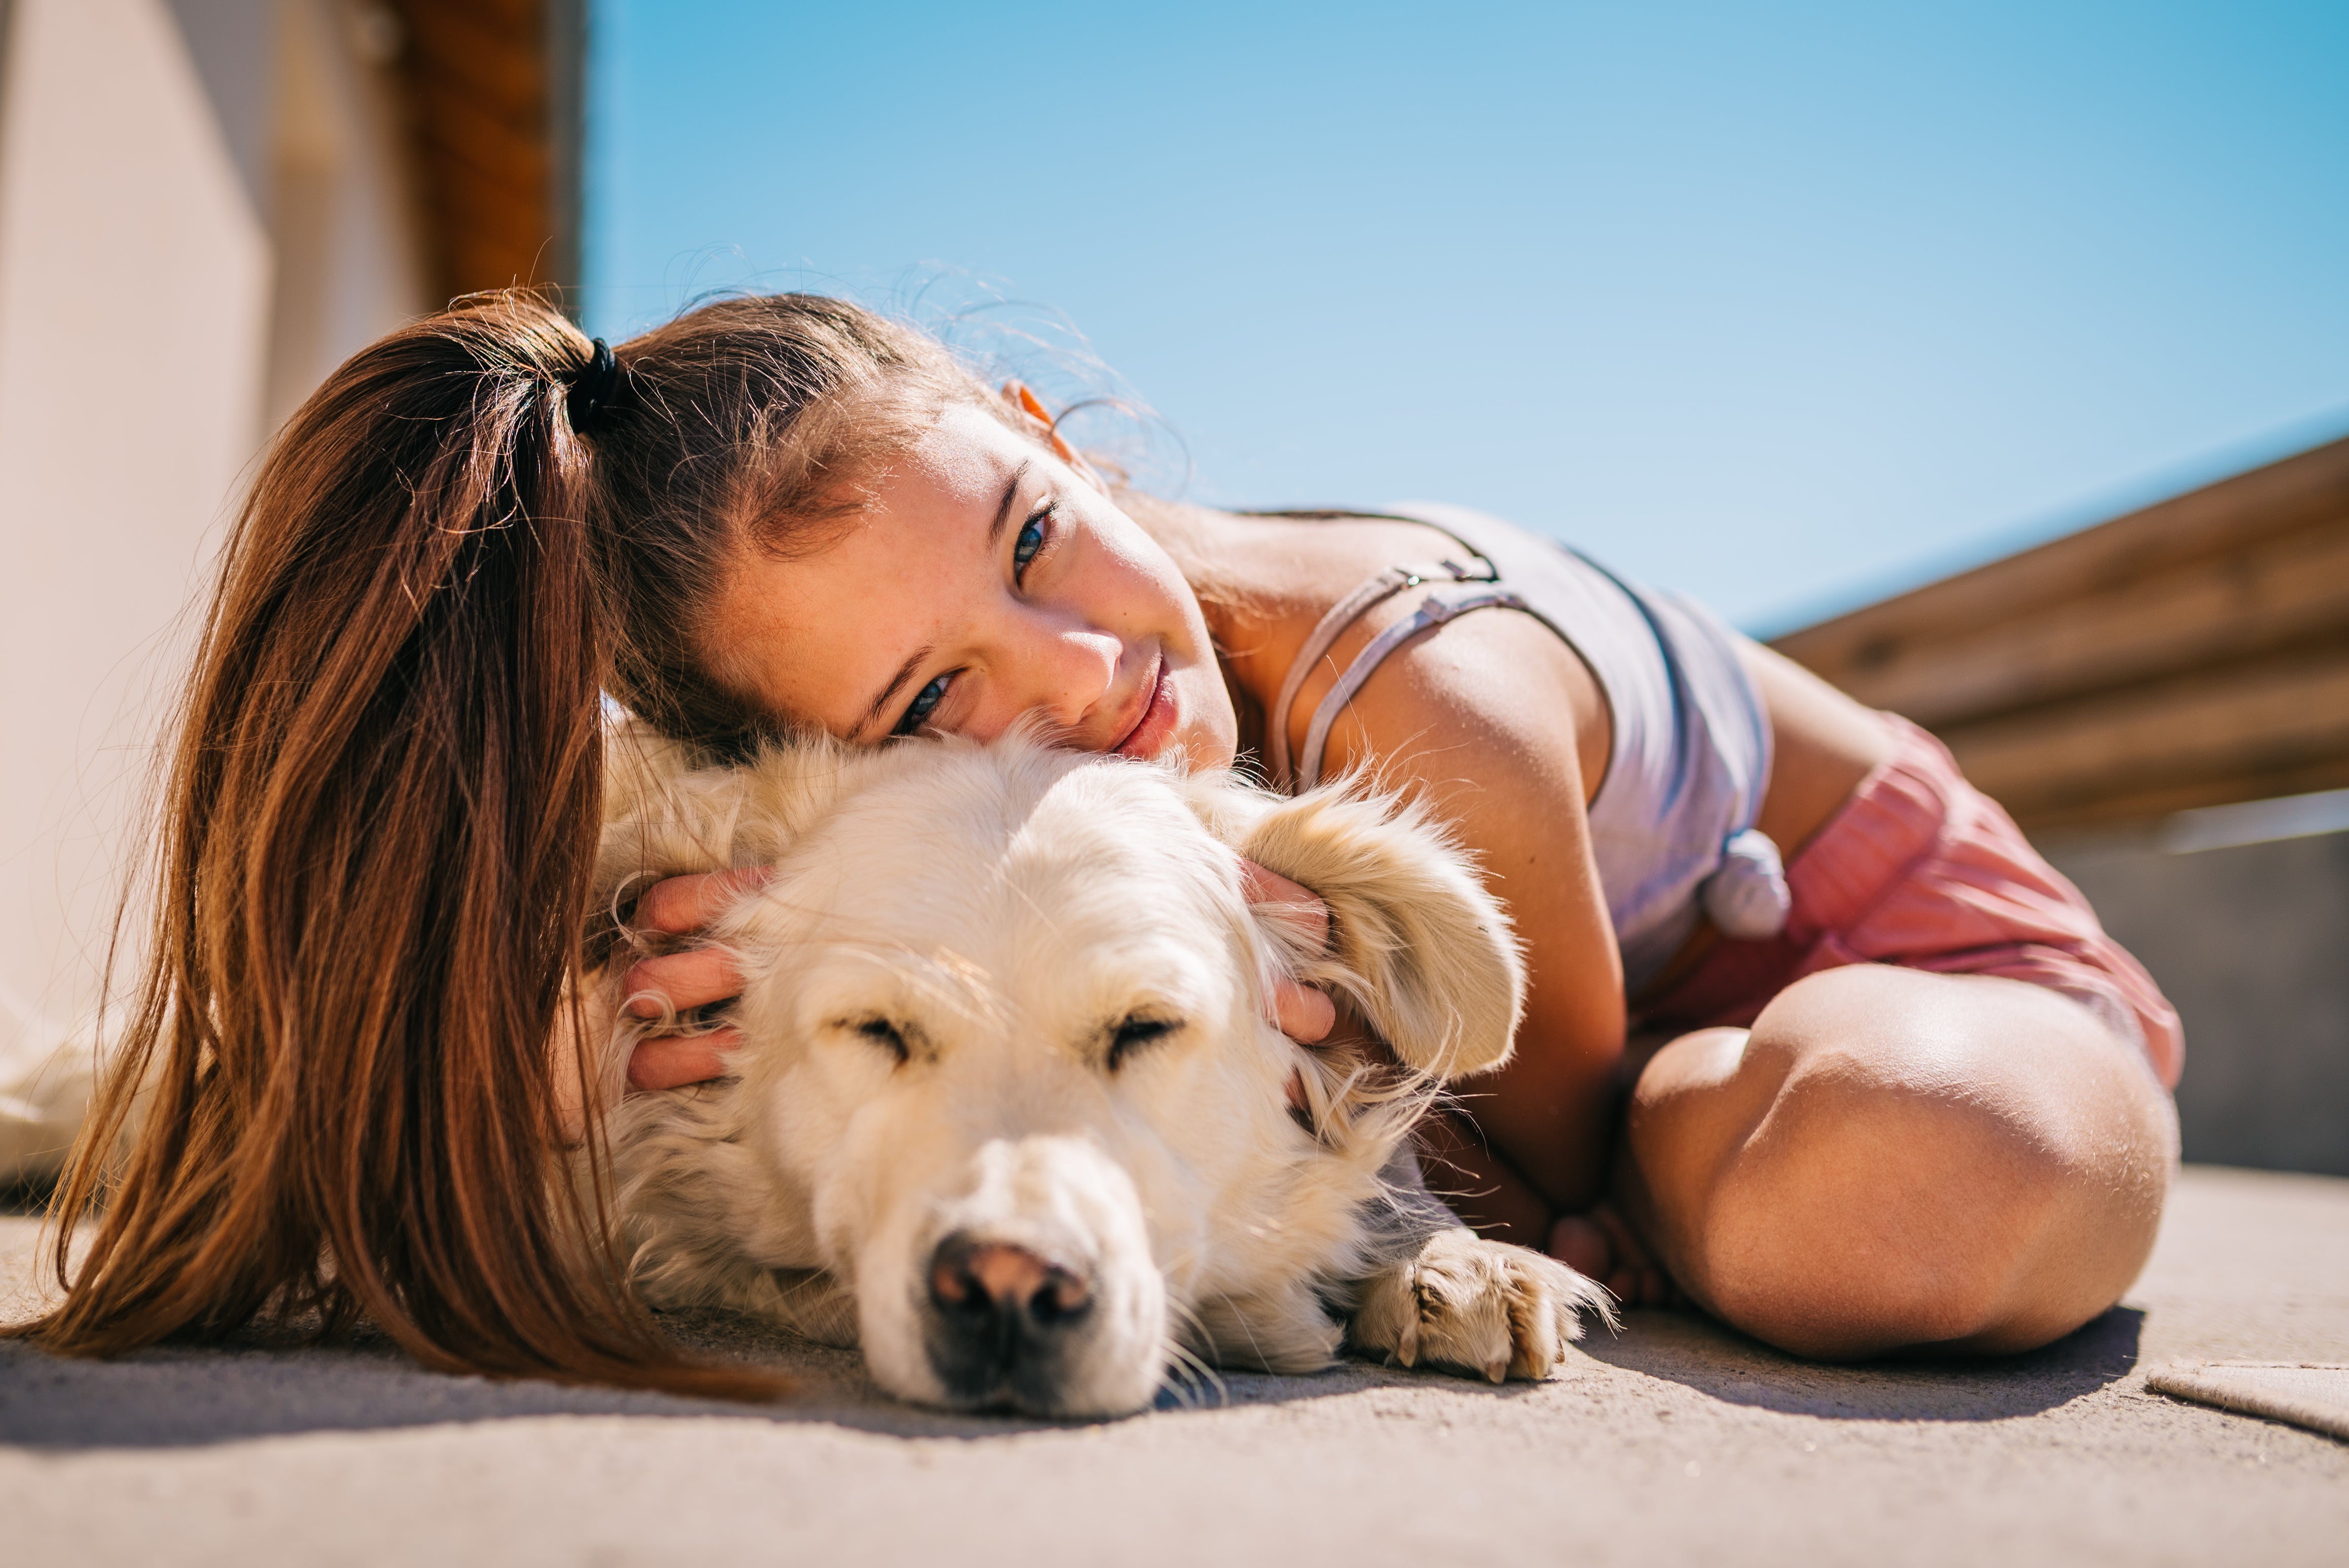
x=1305, y=1013
x=680, y=906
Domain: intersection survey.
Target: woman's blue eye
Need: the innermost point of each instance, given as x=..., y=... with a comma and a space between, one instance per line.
x=925, y=703
x=1030, y=540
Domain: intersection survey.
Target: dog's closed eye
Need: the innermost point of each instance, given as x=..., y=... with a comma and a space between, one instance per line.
x=1133, y=1032
x=881, y=1033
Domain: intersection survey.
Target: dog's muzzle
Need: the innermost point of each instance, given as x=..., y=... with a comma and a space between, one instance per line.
x=1003, y=1320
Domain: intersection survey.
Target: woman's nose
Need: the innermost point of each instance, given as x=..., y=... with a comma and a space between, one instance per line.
x=1072, y=670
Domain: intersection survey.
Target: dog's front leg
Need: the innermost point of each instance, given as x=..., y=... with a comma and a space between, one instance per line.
x=1454, y=1300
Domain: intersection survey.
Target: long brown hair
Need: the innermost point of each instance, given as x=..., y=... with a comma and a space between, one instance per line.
x=335, y=1085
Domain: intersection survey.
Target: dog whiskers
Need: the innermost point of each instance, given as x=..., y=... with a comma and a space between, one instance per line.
x=1195, y=1375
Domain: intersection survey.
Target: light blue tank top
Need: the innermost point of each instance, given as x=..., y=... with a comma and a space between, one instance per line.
x=1671, y=825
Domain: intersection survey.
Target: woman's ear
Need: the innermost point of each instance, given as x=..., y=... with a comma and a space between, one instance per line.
x=1024, y=401
x=1415, y=940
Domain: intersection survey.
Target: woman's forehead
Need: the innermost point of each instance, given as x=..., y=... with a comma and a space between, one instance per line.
x=964, y=456
x=812, y=634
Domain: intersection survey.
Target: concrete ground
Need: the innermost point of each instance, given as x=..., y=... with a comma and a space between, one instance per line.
x=1676, y=1442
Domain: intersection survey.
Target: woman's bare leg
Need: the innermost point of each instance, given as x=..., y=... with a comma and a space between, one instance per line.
x=1891, y=1159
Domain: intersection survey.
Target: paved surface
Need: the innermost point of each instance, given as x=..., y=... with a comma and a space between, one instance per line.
x=1677, y=1443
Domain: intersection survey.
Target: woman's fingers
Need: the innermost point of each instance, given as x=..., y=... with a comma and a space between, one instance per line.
x=1296, y=906
x=1303, y=1014
x=678, y=905
x=683, y=980
x=672, y=1061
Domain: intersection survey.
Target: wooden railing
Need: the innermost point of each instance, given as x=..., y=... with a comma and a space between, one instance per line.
x=492, y=89
x=2191, y=653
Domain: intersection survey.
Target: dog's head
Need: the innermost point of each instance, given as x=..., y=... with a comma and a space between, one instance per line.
x=1006, y=1010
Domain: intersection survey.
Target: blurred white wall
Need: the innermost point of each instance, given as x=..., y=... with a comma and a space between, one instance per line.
x=343, y=216
x=202, y=211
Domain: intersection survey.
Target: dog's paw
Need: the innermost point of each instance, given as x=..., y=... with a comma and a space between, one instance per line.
x=1476, y=1306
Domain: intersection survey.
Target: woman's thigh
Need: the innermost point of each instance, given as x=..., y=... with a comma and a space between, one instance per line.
x=1890, y=1157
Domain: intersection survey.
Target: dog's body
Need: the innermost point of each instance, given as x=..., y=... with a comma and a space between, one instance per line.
x=1011, y=1115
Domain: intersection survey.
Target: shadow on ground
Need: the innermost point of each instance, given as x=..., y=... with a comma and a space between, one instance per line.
x=1702, y=1355
x=180, y=1397
x=183, y=1397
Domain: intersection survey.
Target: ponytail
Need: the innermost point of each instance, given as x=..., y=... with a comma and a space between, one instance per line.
x=379, y=819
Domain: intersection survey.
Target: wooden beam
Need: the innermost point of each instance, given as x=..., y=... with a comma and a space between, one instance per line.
x=2275, y=592
x=2191, y=653
x=501, y=66
x=461, y=133
x=2211, y=728
x=2140, y=805
x=2301, y=491
x=493, y=125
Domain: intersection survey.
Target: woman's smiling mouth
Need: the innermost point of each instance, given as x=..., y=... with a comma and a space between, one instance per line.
x=1151, y=731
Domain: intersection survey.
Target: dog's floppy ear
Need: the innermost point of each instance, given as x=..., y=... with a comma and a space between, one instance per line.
x=1415, y=940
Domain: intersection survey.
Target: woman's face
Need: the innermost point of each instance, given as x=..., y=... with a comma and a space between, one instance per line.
x=991, y=579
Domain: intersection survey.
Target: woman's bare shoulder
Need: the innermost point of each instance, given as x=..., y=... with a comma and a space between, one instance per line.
x=1489, y=685
x=1490, y=695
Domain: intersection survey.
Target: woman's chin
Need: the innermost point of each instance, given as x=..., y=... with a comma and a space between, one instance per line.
x=1202, y=753
x=1208, y=737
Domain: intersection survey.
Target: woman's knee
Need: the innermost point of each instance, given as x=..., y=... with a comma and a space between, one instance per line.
x=1940, y=1161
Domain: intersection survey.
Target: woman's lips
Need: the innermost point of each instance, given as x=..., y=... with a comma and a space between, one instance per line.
x=1156, y=726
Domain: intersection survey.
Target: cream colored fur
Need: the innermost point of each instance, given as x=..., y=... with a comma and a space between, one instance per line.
x=1003, y=910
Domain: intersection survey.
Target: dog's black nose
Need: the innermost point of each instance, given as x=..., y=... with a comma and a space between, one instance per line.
x=1001, y=1307
x=970, y=1277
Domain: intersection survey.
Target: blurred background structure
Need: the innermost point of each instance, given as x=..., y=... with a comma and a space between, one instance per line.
x=1794, y=308
x=205, y=205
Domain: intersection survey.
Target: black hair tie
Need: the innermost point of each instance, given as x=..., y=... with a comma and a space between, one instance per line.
x=594, y=388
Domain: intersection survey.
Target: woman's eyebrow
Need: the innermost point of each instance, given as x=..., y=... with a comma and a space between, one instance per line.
x=904, y=673
x=1003, y=507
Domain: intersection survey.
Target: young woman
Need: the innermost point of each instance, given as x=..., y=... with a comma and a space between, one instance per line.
x=1903, y=1092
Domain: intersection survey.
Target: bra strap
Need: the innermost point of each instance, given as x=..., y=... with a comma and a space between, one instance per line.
x=1433, y=611
x=1328, y=629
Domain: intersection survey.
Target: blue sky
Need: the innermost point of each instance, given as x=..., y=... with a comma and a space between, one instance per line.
x=1787, y=307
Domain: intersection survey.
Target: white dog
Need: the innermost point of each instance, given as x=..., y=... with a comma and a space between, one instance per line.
x=1011, y=1115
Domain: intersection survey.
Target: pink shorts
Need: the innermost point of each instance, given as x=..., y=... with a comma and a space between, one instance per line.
x=1921, y=869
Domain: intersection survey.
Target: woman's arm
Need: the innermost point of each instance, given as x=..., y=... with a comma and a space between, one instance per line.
x=1498, y=723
